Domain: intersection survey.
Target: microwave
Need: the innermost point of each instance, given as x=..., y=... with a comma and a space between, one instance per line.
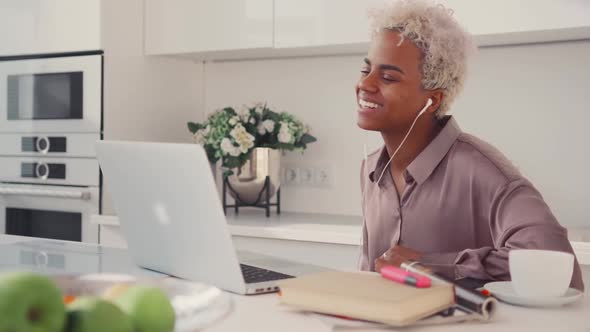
x=60, y=94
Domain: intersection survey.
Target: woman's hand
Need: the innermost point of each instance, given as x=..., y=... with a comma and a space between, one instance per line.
x=396, y=256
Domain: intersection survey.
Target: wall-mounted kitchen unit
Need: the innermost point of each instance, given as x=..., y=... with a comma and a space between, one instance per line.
x=51, y=97
x=242, y=29
x=50, y=119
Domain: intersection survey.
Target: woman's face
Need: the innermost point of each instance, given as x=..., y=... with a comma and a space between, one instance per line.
x=389, y=92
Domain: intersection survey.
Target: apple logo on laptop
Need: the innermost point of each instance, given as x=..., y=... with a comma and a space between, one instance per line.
x=162, y=215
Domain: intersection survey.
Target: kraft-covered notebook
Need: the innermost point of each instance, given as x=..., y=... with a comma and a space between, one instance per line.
x=365, y=296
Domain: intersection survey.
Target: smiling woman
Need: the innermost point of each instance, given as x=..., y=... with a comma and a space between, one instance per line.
x=434, y=194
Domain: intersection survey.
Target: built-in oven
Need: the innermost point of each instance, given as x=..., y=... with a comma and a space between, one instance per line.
x=51, y=94
x=50, y=120
x=53, y=212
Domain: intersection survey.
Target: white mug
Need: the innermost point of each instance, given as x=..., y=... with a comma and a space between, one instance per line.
x=540, y=273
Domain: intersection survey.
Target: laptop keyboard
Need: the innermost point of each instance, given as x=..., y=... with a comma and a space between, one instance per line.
x=253, y=274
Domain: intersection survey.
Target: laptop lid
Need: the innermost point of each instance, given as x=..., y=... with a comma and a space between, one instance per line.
x=170, y=212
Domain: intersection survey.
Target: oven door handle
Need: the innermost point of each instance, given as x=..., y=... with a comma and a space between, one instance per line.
x=82, y=195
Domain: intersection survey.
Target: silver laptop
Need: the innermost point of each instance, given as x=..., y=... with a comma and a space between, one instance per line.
x=171, y=216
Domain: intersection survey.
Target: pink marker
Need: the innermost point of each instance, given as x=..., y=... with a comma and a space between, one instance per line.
x=404, y=277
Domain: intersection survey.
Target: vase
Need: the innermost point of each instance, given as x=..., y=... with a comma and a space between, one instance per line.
x=247, y=183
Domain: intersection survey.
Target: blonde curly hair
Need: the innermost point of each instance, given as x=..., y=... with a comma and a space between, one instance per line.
x=444, y=44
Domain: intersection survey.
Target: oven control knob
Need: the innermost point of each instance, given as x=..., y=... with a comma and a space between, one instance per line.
x=42, y=144
x=42, y=171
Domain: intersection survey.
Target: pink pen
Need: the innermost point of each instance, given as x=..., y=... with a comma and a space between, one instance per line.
x=404, y=277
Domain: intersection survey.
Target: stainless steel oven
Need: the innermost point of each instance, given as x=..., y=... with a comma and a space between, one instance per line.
x=50, y=119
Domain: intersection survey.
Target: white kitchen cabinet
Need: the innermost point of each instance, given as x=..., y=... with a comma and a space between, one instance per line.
x=198, y=26
x=482, y=17
x=234, y=29
x=309, y=23
x=496, y=22
x=343, y=25
x=240, y=29
x=49, y=26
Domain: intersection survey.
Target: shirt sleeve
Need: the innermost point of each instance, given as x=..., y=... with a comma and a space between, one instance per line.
x=518, y=219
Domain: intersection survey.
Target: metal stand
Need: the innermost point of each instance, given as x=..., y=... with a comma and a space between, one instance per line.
x=263, y=200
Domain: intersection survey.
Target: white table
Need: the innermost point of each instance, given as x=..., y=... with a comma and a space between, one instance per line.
x=264, y=313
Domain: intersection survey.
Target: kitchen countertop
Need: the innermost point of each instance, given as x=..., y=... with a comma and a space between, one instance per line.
x=295, y=226
x=326, y=228
x=311, y=227
x=263, y=312
x=21, y=253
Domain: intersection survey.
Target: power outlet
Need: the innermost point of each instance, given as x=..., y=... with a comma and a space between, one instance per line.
x=290, y=176
x=318, y=176
x=306, y=176
x=322, y=178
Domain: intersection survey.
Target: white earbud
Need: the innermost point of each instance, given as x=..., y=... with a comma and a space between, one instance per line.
x=428, y=103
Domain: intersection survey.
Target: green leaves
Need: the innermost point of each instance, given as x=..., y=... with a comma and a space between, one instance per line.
x=193, y=127
x=233, y=162
x=270, y=115
x=224, y=138
x=307, y=138
x=304, y=140
x=211, y=153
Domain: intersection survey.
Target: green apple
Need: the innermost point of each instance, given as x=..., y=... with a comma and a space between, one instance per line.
x=30, y=303
x=92, y=314
x=149, y=308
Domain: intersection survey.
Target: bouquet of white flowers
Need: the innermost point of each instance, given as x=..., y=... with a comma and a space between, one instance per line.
x=230, y=135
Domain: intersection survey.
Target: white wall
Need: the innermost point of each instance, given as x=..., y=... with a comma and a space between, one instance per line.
x=529, y=101
x=145, y=98
x=532, y=103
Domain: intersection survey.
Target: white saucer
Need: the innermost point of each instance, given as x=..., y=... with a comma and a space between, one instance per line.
x=504, y=291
